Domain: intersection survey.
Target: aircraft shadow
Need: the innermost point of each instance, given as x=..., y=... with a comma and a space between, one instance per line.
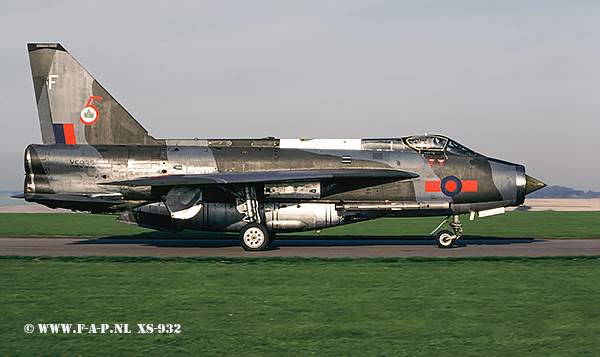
x=229, y=240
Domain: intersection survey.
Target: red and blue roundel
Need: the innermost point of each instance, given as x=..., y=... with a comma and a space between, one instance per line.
x=451, y=186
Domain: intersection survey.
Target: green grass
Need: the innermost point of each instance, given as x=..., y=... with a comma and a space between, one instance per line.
x=297, y=307
x=509, y=225
x=301, y=307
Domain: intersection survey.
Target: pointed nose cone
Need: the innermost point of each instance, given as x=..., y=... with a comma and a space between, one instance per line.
x=533, y=185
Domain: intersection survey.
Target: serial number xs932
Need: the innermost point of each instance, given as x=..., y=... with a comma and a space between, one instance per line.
x=160, y=328
x=83, y=164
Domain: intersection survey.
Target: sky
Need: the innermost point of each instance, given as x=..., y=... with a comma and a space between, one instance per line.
x=514, y=80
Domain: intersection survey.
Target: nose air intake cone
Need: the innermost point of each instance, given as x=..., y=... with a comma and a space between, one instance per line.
x=533, y=185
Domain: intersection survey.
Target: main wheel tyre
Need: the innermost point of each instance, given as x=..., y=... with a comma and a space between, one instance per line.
x=254, y=237
x=445, y=239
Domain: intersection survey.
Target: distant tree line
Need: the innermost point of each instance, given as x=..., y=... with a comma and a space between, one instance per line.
x=563, y=192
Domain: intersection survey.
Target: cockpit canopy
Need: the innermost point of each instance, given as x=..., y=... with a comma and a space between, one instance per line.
x=437, y=143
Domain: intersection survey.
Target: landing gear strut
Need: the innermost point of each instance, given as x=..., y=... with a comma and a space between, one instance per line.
x=445, y=238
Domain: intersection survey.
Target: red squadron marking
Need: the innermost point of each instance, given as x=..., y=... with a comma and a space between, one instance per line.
x=469, y=186
x=435, y=186
x=69, y=134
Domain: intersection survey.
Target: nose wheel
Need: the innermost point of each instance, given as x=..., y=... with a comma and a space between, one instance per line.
x=445, y=238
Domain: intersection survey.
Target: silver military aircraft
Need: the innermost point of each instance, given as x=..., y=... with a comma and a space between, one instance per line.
x=96, y=157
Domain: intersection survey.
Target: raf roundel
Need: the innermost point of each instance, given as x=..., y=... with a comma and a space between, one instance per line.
x=451, y=186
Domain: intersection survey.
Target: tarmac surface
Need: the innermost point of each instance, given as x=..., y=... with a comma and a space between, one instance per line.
x=297, y=248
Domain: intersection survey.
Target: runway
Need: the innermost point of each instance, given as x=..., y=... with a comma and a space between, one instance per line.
x=297, y=248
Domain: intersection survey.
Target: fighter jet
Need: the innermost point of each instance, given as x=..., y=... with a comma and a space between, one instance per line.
x=96, y=157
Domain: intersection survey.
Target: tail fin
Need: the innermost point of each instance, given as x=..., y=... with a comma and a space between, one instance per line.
x=73, y=107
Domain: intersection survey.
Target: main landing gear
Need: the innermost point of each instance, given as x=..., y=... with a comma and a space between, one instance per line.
x=254, y=236
x=445, y=238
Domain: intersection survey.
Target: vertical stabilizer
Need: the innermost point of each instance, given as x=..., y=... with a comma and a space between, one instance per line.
x=74, y=108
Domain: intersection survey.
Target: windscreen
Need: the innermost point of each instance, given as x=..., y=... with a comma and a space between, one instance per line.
x=458, y=149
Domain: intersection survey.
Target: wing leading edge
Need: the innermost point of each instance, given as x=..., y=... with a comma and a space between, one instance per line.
x=265, y=176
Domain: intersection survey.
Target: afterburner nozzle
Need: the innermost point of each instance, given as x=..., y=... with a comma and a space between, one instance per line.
x=532, y=184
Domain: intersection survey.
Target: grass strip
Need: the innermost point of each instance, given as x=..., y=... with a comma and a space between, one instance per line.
x=298, y=306
x=283, y=260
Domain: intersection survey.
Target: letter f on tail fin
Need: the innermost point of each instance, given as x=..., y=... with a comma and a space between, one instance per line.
x=73, y=107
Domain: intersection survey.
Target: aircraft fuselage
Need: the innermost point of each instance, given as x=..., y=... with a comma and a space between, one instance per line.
x=86, y=171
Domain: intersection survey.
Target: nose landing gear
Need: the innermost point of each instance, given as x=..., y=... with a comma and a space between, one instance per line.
x=445, y=238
